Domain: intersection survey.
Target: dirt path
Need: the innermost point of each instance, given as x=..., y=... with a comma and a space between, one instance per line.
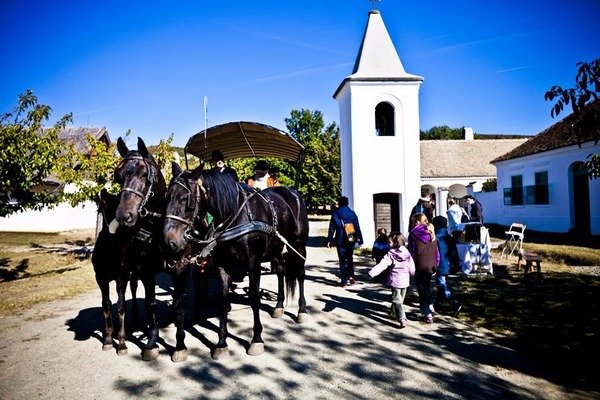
x=349, y=349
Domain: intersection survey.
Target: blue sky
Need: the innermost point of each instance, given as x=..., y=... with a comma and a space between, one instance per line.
x=147, y=66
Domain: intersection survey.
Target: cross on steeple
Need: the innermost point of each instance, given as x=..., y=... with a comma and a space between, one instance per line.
x=374, y=4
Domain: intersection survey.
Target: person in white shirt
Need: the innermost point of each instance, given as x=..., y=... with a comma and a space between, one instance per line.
x=455, y=214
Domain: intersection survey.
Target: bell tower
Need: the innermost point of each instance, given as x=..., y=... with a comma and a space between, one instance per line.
x=379, y=134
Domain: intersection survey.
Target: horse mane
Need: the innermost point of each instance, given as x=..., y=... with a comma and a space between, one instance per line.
x=222, y=193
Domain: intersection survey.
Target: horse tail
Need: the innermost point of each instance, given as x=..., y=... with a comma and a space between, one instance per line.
x=291, y=274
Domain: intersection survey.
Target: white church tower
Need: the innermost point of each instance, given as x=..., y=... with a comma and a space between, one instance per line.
x=379, y=134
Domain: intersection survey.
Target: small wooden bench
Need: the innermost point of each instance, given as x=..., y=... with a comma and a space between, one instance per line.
x=530, y=258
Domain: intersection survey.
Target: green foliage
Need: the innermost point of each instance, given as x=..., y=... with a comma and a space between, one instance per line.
x=89, y=172
x=320, y=178
x=587, y=87
x=491, y=185
x=443, y=132
x=29, y=155
x=163, y=154
x=586, y=90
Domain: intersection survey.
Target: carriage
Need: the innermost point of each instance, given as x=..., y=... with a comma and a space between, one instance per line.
x=249, y=227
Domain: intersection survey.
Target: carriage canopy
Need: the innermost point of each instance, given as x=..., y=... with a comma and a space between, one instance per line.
x=245, y=139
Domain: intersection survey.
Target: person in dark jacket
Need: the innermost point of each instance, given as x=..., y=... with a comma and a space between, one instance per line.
x=476, y=213
x=218, y=161
x=381, y=246
x=423, y=247
x=449, y=262
x=345, y=248
x=423, y=206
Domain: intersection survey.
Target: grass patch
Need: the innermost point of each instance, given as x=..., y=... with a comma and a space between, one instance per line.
x=554, y=317
x=40, y=267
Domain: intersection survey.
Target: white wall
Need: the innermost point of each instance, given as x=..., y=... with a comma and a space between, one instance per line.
x=60, y=218
x=555, y=216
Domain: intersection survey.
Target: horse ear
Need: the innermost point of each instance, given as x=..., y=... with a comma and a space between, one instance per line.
x=142, y=149
x=122, y=147
x=196, y=173
x=175, y=169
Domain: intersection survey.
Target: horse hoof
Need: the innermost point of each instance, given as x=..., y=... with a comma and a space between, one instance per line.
x=179, y=355
x=106, y=347
x=150, y=354
x=256, y=349
x=302, y=317
x=122, y=352
x=278, y=312
x=219, y=353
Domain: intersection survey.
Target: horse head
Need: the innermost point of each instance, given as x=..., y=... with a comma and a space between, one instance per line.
x=142, y=184
x=184, y=196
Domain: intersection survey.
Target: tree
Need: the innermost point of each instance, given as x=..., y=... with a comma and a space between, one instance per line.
x=586, y=90
x=320, y=178
x=29, y=155
x=443, y=132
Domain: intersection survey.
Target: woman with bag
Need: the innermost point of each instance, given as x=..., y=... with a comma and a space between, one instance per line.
x=400, y=265
x=344, y=220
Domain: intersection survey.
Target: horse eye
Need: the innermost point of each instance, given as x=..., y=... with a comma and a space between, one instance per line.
x=183, y=199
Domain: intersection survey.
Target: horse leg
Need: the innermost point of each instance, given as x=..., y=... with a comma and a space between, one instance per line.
x=121, y=287
x=180, y=282
x=296, y=264
x=221, y=350
x=257, y=346
x=150, y=353
x=279, y=265
x=106, y=314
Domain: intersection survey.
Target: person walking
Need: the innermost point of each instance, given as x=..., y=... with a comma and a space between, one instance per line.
x=423, y=248
x=218, y=162
x=381, y=246
x=400, y=266
x=449, y=261
x=423, y=206
x=344, y=220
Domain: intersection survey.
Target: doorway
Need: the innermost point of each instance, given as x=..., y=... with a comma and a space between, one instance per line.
x=386, y=211
x=580, y=199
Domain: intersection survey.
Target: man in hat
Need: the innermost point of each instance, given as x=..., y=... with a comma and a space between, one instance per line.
x=217, y=160
x=261, y=178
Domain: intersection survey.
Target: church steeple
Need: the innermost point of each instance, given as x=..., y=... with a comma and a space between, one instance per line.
x=377, y=57
x=379, y=128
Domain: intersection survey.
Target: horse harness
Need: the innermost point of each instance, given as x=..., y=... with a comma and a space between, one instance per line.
x=224, y=231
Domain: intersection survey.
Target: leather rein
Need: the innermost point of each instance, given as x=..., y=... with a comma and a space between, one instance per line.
x=224, y=231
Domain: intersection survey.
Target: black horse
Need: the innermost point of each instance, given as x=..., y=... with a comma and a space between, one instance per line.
x=129, y=244
x=248, y=227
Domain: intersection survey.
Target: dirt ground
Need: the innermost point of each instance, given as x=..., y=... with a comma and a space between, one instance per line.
x=348, y=349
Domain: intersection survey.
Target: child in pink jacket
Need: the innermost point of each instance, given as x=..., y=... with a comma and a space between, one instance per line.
x=399, y=262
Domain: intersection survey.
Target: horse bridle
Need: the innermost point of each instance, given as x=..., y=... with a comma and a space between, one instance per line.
x=142, y=210
x=179, y=180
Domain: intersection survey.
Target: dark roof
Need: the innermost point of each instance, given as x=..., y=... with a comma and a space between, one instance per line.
x=77, y=136
x=244, y=139
x=462, y=158
x=561, y=134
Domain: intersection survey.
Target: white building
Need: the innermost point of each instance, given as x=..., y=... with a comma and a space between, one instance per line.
x=543, y=183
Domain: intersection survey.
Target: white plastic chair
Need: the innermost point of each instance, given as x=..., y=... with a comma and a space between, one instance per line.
x=514, y=240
